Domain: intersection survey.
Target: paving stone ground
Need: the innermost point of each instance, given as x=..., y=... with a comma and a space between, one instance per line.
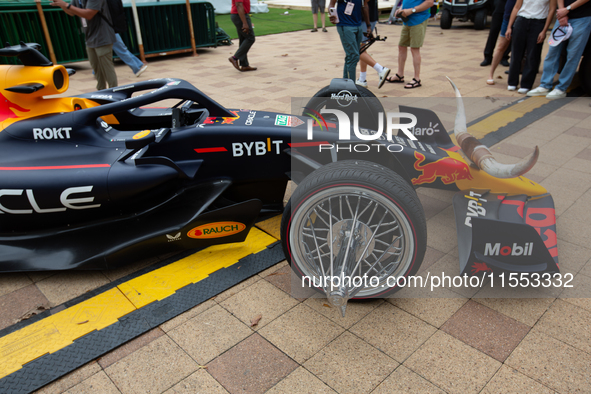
x=452, y=344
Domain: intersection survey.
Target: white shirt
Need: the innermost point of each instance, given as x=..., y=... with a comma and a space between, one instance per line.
x=534, y=9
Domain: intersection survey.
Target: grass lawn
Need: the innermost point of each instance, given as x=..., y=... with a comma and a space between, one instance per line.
x=273, y=22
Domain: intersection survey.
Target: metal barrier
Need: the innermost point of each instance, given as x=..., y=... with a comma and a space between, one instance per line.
x=164, y=28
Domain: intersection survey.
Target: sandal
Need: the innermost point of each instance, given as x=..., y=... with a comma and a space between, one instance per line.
x=399, y=79
x=490, y=81
x=413, y=84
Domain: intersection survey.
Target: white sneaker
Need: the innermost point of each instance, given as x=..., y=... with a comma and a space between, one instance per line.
x=539, y=91
x=523, y=91
x=511, y=87
x=361, y=83
x=141, y=70
x=383, y=75
x=556, y=94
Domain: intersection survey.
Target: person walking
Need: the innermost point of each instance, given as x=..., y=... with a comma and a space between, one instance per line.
x=365, y=58
x=120, y=26
x=239, y=15
x=99, y=35
x=577, y=14
x=348, y=18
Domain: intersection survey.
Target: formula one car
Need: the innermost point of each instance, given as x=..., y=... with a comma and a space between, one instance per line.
x=89, y=181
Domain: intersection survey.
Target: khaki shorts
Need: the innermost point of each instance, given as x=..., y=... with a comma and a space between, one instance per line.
x=413, y=36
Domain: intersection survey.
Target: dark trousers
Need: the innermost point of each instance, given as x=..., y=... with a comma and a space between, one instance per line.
x=495, y=29
x=524, y=41
x=246, y=40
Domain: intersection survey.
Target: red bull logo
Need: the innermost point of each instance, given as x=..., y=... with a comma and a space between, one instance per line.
x=6, y=107
x=448, y=169
x=225, y=120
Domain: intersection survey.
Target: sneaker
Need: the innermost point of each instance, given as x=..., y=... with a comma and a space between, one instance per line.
x=523, y=91
x=361, y=83
x=383, y=75
x=539, y=91
x=556, y=94
x=141, y=70
x=511, y=88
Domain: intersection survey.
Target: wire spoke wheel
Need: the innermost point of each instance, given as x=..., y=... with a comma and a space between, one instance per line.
x=353, y=229
x=344, y=232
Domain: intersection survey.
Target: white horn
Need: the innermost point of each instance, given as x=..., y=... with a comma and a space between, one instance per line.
x=480, y=154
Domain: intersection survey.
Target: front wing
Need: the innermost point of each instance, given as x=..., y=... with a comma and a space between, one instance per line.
x=505, y=233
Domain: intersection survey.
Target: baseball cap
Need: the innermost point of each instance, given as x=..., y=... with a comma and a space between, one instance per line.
x=560, y=34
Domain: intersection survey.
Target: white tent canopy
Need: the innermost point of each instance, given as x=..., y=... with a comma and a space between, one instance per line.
x=220, y=6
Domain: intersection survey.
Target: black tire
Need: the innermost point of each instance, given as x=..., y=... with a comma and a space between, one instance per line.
x=480, y=19
x=387, y=203
x=446, y=19
x=585, y=73
x=322, y=99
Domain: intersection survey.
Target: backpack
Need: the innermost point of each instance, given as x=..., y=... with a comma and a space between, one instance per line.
x=117, y=16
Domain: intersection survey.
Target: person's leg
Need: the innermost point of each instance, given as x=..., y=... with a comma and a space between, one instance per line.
x=104, y=56
x=533, y=52
x=402, y=54
x=350, y=41
x=358, y=37
x=364, y=58
x=403, y=44
x=518, y=39
x=496, y=23
x=322, y=7
x=246, y=39
x=502, y=46
x=127, y=57
x=101, y=82
x=315, y=15
x=416, y=62
x=238, y=23
x=505, y=59
x=574, y=50
x=417, y=38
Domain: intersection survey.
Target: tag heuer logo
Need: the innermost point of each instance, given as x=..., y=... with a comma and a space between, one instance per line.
x=290, y=121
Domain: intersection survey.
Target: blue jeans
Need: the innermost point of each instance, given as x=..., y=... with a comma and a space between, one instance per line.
x=351, y=36
x=575, y=47
x=127, y=57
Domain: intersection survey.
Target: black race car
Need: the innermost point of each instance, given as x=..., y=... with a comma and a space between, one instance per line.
x=88, y=182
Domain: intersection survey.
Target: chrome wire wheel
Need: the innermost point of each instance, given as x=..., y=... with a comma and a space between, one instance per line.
x=346, y=232
x=351, y=229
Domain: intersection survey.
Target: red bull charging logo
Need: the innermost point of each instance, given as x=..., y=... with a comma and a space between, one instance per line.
x=448, y=169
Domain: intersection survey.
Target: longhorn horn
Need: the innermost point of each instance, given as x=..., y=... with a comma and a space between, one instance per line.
x=480, y=154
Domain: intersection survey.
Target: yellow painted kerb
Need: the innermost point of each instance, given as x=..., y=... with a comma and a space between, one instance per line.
x=58, y=331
